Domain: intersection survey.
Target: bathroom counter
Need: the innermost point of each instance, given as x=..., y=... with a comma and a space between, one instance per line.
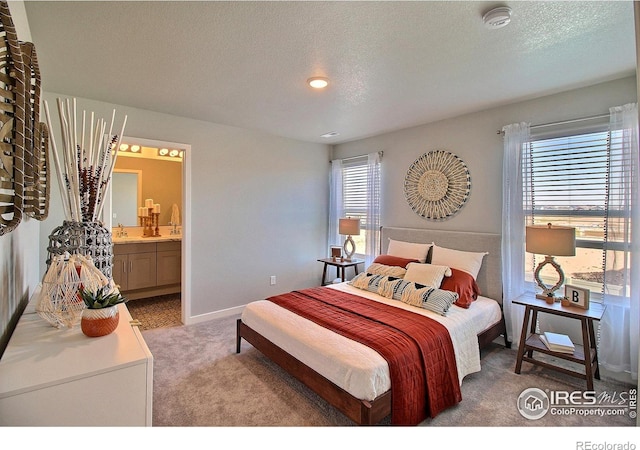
x=144, y=240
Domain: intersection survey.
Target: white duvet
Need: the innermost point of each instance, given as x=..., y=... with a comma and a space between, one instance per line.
x=353, y=366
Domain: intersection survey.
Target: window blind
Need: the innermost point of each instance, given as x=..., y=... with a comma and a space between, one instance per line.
x=354, y=188
x=566, y=183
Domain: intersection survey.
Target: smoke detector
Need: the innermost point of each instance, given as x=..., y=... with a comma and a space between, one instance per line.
x=497, y=17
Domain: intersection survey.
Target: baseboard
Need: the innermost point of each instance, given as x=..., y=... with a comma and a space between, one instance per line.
x=236, y=310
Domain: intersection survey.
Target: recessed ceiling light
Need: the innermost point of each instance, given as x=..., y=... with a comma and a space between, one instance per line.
x=497, y=17
x=330, y=134
x=318, y=82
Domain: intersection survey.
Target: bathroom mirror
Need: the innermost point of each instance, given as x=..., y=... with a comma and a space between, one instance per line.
x=126, y=196
x=162, y=183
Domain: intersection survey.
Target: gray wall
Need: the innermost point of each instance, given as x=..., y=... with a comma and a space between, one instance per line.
x=474, y=138
x=258, y=205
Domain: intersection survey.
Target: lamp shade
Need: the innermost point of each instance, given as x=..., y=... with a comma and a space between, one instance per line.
x=349, y=226
x=550, y=240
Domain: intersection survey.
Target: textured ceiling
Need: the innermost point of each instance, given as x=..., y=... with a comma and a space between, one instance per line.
x=391, y=64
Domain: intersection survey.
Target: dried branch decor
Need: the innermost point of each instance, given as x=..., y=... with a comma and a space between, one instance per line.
x=88, y=159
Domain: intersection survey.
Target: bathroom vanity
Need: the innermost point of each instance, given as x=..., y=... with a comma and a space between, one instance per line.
x=146, y=267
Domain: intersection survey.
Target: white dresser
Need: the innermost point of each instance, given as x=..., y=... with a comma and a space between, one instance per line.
x=60, y=377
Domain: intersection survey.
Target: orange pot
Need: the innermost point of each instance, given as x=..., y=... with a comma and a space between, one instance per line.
x=99, y=322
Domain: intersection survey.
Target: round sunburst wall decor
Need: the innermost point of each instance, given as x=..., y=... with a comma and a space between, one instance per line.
x=437, y=185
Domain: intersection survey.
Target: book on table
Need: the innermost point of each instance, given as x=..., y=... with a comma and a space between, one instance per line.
x=557, y=342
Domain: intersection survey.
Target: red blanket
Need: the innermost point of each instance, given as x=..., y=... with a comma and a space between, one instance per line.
x=424, y=376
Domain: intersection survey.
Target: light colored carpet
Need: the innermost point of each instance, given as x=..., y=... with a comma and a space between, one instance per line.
x=200, y=381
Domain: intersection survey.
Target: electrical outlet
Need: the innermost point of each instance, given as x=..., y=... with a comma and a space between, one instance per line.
x=273, y=280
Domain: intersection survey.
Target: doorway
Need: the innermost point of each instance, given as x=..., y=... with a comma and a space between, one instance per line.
x=161, y=178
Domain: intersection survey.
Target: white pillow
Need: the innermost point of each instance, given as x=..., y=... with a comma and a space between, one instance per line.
x=427, y=274
x=469, y=262
x=409, y=250
x=390, y=271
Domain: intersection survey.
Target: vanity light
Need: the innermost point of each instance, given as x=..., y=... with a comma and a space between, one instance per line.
x=163, y=152
x=318, y=82
x=135, y=148
x=124, y=147
x=174, y=153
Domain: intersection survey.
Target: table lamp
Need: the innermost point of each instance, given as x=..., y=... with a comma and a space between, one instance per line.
x=550, y=241
x=349, y=227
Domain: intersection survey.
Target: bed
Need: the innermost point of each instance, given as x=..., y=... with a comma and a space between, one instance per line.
x=344, y=370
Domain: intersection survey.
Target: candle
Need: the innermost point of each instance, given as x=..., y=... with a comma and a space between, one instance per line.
x=148, y=203
x=141, y=212
x=156, y=208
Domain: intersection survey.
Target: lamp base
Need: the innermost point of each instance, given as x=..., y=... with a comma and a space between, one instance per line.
x=549, y=299
x=548, y=292
x=348, y=252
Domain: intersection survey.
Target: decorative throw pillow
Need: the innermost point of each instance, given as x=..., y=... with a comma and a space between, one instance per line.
x=382, y=269
x=388, y=286
x=427, y=274
x=439, y=301
x=399, y=288
x=390, y=260
x=464, y=285
x=469, y=262
x=414, y=295
x=432, y=299
x=367, y=281
x=409, y=250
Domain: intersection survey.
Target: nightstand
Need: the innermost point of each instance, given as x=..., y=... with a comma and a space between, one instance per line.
x=340, y=266
x=585, y=354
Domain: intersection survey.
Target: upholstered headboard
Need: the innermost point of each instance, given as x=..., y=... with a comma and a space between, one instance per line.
x=490, y=276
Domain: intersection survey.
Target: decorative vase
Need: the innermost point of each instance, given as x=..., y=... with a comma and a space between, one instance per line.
x=85, y=238
x=100, y=322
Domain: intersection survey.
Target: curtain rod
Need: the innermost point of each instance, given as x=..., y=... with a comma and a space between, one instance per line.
x=360, y=156
x=564, y=122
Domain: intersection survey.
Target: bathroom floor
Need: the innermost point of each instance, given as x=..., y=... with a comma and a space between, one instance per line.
x=156, y=312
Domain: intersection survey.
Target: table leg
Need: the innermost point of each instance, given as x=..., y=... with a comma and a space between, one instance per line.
x=342, y=272
x=592, y=340
x=534, y=324
x=586, y=343
x=523, y=338
x=324, y=275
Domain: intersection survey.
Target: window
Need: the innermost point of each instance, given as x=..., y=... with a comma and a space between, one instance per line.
x=354, y=200
x=355, y=192
x=566, y=183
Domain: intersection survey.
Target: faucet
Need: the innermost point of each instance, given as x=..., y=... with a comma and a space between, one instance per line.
x=174, y=231
x=121, y=232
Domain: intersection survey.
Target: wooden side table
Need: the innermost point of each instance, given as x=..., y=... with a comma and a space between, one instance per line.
x=340, y=266
x=585, y=354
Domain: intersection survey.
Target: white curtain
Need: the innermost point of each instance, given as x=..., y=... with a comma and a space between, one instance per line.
x=516, y=137
x=618, y=349
x=336, y=207
x=373, y=207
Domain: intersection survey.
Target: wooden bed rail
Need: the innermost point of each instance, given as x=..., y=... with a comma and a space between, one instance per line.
x=360, y=411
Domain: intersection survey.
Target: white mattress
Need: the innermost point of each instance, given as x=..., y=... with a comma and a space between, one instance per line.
x=353, y=366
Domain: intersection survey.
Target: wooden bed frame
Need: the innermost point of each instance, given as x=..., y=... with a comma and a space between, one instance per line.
x=372, y=412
